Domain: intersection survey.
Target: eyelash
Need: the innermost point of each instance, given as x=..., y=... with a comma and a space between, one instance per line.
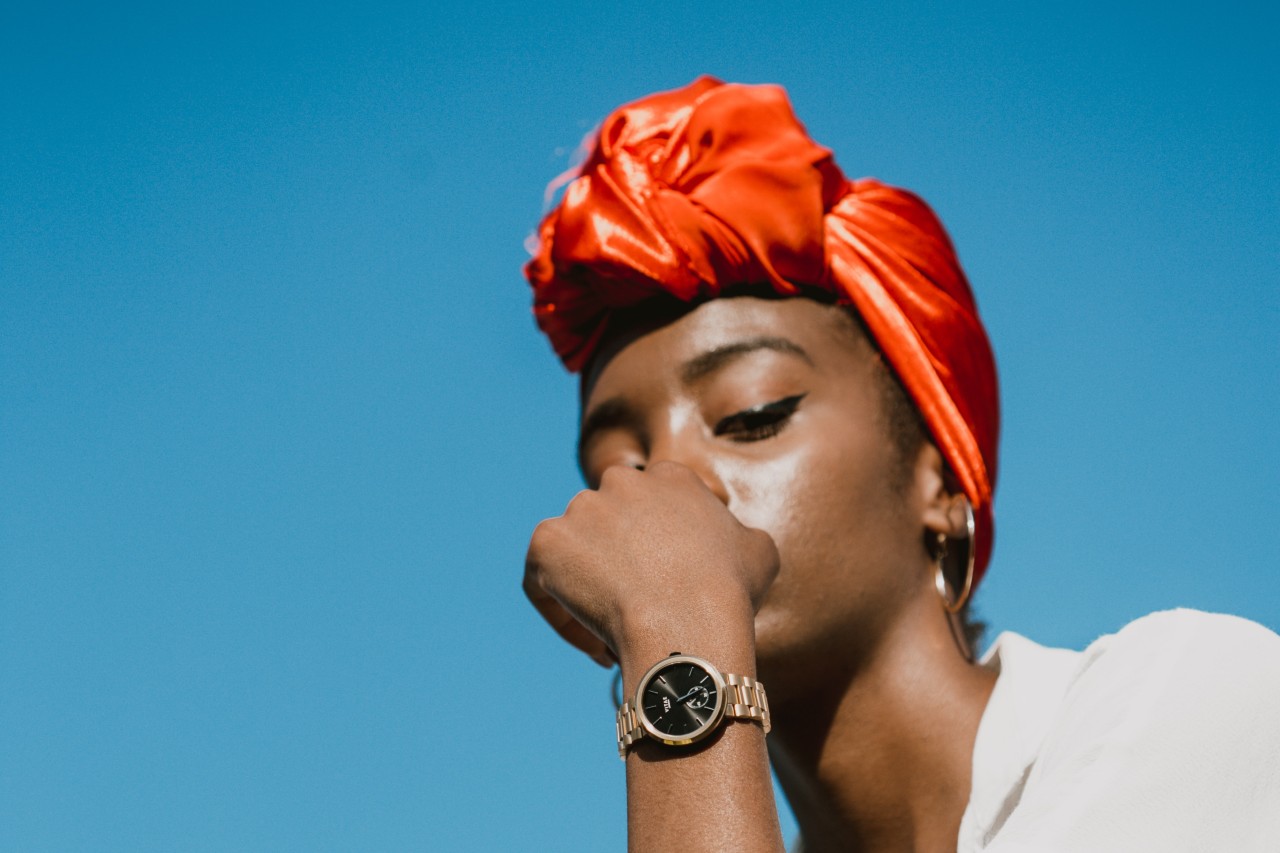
x=759, y=422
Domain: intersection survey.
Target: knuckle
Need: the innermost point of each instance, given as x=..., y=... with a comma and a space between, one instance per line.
x=762, y=542
x=533, y=582
x=532, y=586
x=671, y=468
x=543, y=534
x=615, y=474
x=582, y=499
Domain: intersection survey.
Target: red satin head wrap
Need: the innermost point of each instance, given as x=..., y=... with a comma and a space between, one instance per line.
x=691, y=192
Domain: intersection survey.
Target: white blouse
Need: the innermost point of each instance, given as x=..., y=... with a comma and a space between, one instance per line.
x=1164, y=736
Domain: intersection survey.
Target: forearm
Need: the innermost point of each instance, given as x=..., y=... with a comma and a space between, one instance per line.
x=652, y=562
x=714, y=795
x=719, y=797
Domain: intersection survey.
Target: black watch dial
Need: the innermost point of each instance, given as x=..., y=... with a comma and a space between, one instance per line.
x=680, y=699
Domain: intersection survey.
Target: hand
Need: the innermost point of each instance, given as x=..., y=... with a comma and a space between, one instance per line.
x=648, y=563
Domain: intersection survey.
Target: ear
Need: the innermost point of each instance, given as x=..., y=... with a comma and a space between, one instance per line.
x=942, y=501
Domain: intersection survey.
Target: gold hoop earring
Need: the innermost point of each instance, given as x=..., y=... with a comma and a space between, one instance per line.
x=939, y=575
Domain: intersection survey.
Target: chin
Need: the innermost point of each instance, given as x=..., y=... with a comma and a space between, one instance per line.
x=783, y=650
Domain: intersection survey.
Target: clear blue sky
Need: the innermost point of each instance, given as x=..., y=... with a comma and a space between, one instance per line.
x=275, y=423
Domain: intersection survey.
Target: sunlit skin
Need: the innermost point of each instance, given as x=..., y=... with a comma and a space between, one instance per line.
x=748, y=504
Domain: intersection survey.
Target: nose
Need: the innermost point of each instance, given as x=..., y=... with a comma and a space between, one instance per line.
x=689, y=450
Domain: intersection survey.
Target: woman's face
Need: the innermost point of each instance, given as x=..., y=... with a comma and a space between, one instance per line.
x=777, y=405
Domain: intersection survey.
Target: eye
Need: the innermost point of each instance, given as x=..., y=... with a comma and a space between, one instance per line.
x=759, y=422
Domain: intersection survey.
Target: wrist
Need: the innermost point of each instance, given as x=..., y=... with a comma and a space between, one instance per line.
x=683, y=700
x=721, y=632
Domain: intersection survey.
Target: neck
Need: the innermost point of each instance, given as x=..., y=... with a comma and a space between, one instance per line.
x=879, y=756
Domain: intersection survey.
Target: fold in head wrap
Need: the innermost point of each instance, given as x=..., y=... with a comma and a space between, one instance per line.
x=693, y=192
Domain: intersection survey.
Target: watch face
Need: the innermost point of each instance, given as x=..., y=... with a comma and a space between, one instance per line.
x=680, y=700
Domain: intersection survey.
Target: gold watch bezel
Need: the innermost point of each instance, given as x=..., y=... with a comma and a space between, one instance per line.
x=717, y=714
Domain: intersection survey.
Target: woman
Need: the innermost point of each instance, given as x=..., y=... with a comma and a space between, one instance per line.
x=789, y=432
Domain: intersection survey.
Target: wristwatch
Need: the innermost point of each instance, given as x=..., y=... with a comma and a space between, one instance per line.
x=682, y=699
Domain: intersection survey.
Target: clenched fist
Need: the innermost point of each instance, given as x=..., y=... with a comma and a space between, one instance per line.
x=651, y=562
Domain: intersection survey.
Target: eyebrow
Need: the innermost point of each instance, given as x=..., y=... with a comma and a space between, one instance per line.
x=616, y=412
x=712, y=360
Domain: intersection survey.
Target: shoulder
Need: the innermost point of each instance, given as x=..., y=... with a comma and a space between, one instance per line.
x=1192, y=633
x=1216, y=630
x=1197, y=680
x=1184, y=653
x=1166, y=737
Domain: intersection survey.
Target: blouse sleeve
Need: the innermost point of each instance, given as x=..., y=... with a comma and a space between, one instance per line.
x=1168, y=739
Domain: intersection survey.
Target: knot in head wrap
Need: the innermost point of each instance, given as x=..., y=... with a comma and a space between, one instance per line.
x=693, y=192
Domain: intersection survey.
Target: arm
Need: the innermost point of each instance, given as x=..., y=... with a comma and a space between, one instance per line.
x=648, y=564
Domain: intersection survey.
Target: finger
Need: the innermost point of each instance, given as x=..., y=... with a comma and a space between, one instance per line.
x=570, y=629
x=764, y=549
x=761, y=553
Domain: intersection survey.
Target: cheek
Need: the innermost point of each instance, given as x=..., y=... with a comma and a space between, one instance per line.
x=769, y=494
x=820, y=502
